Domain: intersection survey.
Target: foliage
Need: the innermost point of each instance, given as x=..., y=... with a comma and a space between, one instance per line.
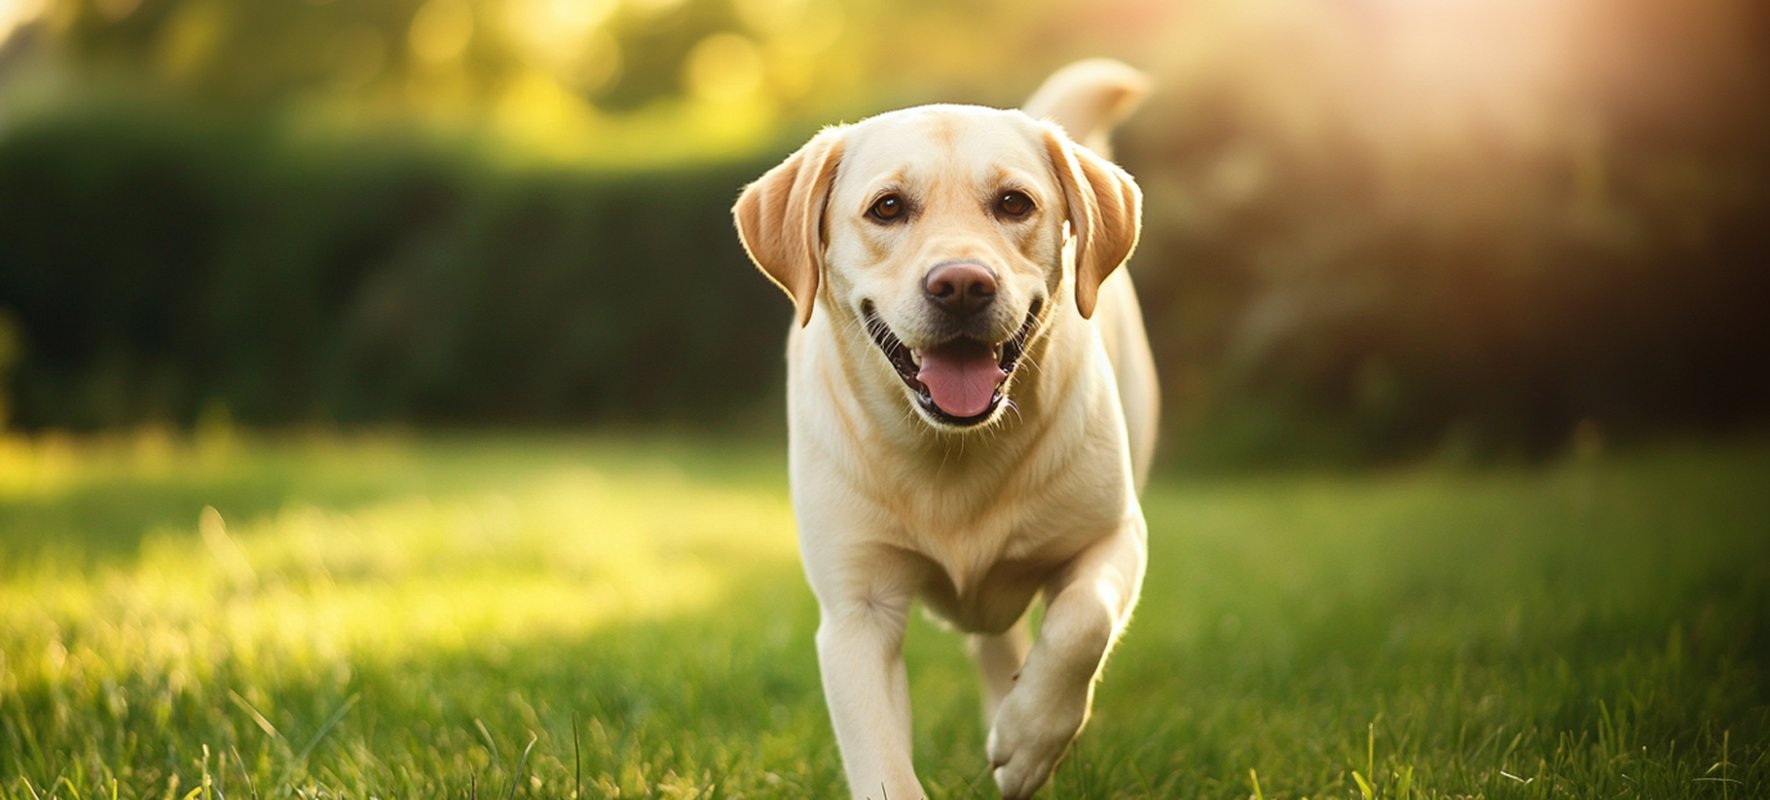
x=229, y=616
x=288, y=282
x=1462, y=227
x=1374, y=230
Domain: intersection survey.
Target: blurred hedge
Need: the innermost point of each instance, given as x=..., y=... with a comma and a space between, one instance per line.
x=1479, y=230
x=157, y=264
x=1329, y=314
x=1373, y=229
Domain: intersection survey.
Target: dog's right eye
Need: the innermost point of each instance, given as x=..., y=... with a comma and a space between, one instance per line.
x=887, y=209
x=1014, y=204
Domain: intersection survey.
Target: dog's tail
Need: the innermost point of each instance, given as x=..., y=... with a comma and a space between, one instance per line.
x=1088, y=98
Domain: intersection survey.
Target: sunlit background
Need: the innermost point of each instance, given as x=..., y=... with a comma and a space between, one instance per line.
x=1375, y=228
x=388, y=410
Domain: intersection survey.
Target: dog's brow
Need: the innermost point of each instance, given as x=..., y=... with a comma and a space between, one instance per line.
x=1001, y=177
x=893, y=181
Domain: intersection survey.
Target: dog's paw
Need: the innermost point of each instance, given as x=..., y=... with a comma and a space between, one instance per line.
x=1029, y=737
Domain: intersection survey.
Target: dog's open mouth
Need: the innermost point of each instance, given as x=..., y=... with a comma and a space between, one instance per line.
x=960, y=381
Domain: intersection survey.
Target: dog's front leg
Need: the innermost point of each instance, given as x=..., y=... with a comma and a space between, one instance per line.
x=860, y=651
x=1087, y=606
x=998, y=658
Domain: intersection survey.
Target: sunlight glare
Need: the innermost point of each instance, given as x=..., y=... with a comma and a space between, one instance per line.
x=1445, y=71
x=555, y=29
x=15, y=14
x=536, y=110
x=724, y=67
x=441, y=30
x=772, y=17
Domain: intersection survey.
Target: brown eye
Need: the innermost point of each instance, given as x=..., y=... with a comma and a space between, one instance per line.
x=1014, y=204
x=887, y=209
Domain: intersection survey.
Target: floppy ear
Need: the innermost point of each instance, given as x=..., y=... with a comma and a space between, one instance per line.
x=1105, y=213
x=780, y=218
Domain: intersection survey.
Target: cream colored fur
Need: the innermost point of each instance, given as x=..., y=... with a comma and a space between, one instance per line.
x=1041, y=500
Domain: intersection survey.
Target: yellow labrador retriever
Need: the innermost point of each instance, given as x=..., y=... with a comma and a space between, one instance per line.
x=972, y=407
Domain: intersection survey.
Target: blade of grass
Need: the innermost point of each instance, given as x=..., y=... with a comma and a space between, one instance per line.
x=521, y=765
x=331, y=722
x=486, y=735
x=257, y=718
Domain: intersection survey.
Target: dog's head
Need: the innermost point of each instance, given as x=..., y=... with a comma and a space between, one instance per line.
x=938, y=234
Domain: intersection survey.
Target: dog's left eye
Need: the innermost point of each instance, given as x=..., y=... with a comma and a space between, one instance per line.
x=1013, y=204
x=887, y=209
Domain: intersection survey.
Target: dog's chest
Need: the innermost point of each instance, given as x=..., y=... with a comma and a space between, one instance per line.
x=989, y=600
x=985, y=561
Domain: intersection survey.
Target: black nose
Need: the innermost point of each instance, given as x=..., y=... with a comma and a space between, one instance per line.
x=960, y=288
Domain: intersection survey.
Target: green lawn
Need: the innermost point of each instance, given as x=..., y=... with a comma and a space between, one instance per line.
x=487, y=617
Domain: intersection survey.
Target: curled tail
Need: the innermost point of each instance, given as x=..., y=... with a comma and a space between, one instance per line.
x=1088, y=98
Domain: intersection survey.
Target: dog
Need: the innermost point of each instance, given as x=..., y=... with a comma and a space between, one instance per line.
x=972, y=407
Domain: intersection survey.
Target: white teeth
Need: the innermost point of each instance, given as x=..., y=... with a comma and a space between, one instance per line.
x=995, y=352
x=916, y=357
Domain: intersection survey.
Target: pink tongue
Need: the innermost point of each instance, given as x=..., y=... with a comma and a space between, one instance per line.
x=961, y=376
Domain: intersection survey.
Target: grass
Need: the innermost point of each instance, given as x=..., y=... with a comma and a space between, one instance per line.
x=623, y=617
